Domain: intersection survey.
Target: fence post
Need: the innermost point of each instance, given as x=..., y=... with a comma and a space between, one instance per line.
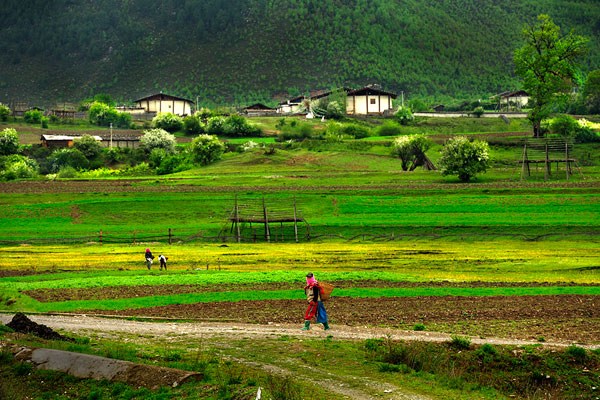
x=170, y=236
x=100, y=237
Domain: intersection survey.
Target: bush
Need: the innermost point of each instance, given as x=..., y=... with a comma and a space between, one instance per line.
x=460, y=343
x=158, y=139
x=9, y=142
x=404, y=116
x=17, y=167
x=236, y=125
x=103, y=115
x=192, y=125
x=419, y=327
x=89, y=146
x=4, y=112
x=33, y=116
x=168, y=121
x=206, y=149
x=216, y=125
x=388, y=128
x=299, y=131
x=67, y=158
x=464, y=158
x=564, y=126
x=356, y=131
x=478, y=111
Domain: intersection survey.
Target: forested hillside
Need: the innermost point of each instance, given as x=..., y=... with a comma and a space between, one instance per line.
x=238, y=51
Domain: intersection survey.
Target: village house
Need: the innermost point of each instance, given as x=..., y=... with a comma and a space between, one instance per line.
x=368, y=100
x=512, y=100
x=161, y=102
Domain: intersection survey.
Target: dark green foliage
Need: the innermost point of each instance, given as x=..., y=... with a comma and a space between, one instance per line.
x=67, y=158
x=194, y=48
x=388, y=128
x=460, y=343
x=168, y=121
x=89, y=146
x=4, y=112
x=33, y=116
x=192, y=125
x=295, y=131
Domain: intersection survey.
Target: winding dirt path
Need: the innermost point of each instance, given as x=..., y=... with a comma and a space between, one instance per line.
x=361, y=388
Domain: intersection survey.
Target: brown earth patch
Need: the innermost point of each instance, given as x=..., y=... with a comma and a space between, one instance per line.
x=124, y=292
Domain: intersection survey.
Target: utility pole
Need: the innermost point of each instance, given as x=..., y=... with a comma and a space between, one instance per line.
x=110, y=136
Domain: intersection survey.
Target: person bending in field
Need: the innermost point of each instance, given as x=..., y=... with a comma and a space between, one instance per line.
x=315, y=305
x=163, y=262
x=149, y=257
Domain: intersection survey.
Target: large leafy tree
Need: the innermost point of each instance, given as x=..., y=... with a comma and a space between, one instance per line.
x=591, y=93
x=547, y=62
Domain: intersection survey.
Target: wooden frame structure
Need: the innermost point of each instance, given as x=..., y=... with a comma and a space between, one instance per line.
x=244, y=215
x=547, y=151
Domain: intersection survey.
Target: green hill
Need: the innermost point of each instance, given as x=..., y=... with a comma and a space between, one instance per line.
x=239, y=51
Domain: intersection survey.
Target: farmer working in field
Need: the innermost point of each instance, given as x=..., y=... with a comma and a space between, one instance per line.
x=149, y=257
x=163, y=262
x=315, y=305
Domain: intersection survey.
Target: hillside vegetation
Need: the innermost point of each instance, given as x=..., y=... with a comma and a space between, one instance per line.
x=238, y=51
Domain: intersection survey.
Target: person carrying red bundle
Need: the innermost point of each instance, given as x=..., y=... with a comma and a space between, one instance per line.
x=315, y=304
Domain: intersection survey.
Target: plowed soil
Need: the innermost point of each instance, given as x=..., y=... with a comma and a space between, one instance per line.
x=561, y=318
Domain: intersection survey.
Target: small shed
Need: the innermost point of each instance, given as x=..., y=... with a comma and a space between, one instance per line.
x=162, y=102
x=61, y=141
x=258, y=109
x=439, y=108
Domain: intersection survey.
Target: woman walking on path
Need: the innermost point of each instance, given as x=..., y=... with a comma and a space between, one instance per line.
x=315, y=305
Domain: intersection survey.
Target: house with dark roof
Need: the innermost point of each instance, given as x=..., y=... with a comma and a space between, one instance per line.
x=368, y=100
x=162, y=102
x=513, y=100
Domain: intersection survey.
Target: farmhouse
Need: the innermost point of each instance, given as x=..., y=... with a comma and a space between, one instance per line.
x=368, y=100
x=290, y=106
x=161, y=102
x=512, y=100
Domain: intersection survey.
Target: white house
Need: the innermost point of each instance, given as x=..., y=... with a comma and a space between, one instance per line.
x=512, y=100
x=161, y=102
x=368, y=100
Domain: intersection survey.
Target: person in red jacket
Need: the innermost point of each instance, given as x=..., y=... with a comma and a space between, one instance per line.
x=315, y=305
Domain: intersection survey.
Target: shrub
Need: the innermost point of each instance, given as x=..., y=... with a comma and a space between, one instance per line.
x=168, y=121
x=419, y=327
x=33, y=116
x=44, y=122
x=579, y=354
x=17, y=167
x=388, y=128
x=404, y=116
x=460, y=343
x=411, y=149
x=158, y=139
x=4, y=112
x=206, y=149
x=89, y=146
x=67, y=158
x=299, y=131
x=236, y=125
x=464, y=158
x=356, y=131
x=564, y=125
x=478, y=111
x=402, y=149
x=216, y=125
x=192, y=125
x=9, y=142
x=104, y=115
